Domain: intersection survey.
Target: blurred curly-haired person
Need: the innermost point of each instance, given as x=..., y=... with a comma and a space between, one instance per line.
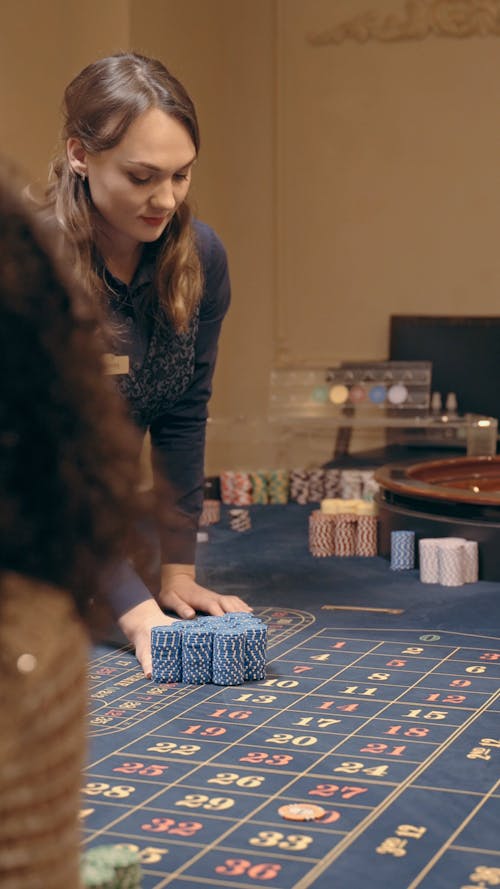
x=67, y=512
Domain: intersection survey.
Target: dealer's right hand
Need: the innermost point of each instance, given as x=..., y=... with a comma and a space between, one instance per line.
x=137, y=623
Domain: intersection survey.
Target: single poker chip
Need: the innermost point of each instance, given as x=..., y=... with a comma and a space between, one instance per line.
x=301, y=812
x=397, y=394
x=110, y=867
x=338, y=394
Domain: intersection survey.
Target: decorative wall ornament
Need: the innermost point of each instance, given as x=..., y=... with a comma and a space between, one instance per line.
x=418, y=20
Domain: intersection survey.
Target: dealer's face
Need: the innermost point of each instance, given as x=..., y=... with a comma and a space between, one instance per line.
x=137, y=186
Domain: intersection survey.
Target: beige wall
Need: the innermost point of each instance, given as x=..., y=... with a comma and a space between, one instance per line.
x=349, y=181
x=43, y=44
x=390, y=151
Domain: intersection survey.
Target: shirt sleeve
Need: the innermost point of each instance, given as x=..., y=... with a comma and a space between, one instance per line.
x=178, y=436
x=125, y=588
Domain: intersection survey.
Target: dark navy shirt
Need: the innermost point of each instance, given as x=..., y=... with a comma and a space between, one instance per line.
x=170, y=381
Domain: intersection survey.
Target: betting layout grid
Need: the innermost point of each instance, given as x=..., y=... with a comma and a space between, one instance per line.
x=395, y=733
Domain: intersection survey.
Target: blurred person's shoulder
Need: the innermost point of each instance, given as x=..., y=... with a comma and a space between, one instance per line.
x=40, y=629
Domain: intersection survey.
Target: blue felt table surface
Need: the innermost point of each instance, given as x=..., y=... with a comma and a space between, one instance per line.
x=380, y=703
x=271, y=565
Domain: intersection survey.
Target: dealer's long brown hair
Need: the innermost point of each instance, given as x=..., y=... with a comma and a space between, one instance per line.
x=68, y=455
x=99, y=106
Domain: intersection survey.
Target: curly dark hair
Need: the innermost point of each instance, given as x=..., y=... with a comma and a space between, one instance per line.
x=68, y=455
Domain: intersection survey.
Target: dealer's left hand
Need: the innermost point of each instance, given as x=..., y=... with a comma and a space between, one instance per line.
x=180, y=593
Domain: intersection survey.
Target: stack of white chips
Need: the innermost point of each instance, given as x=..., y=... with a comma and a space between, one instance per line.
x=450, y=561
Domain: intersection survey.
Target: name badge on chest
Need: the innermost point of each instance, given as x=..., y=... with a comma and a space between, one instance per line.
x=116, y=364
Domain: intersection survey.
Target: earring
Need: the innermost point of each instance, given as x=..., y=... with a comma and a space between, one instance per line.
x=83, y=175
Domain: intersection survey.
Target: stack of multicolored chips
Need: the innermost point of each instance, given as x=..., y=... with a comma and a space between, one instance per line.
x=370, y=486
x=366, y=532
x=299, y=486
x=110, y=867
x=227, y=485
x=242, y=489
x=224, y=650
x=258, y=480
x=236, y=487
x=321, y=533
x=332, y=483
x=351, y=484
x=343, y=528
x=345, y=533
x=316, y=490
x=210, y=513
x=277, y=485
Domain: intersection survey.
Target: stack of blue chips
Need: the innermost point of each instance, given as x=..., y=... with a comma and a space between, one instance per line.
x=255, y=644
x=224, y=650
x=228, y=667
x=197, y=644
x=166, y=648
x=402, y=550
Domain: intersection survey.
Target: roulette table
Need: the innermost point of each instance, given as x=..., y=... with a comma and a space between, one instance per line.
x=455, y=496
x=381, y=704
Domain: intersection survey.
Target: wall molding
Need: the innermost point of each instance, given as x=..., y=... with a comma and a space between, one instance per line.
x=418, y=20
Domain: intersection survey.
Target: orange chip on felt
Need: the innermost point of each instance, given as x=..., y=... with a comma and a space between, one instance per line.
x=301, y=812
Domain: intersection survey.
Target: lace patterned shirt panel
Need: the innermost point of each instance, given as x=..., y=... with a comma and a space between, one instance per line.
x=170, y=381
